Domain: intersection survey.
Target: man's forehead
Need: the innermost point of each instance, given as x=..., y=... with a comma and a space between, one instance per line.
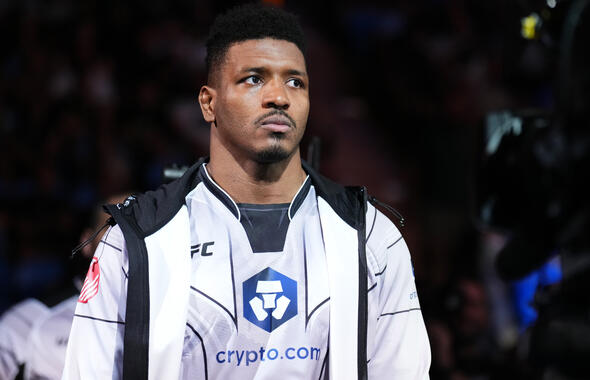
x=266, y=51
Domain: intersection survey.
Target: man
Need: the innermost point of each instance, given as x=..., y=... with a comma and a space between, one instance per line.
x=251, y=265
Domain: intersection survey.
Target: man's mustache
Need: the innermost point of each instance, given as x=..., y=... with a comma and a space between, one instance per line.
x=276, y=112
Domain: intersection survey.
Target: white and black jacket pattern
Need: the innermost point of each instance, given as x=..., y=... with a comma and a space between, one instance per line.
x=377, y=334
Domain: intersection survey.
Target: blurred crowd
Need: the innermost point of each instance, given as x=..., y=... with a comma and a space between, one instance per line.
x=97, y=98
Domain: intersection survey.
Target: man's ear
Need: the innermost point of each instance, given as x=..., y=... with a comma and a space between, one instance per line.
x=207, y=98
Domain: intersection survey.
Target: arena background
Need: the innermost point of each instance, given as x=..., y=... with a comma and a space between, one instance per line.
x=98, y=97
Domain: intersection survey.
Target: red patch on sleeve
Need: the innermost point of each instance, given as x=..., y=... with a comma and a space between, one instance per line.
x=90, y=287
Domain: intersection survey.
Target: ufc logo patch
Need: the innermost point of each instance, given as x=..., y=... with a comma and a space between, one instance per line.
x=204, y=249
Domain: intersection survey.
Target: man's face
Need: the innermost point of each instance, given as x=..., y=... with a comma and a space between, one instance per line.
x=261, y=100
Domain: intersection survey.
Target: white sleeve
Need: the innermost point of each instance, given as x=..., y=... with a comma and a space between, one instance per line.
x=95, y=346
x=15, y=327
x=46, y=350
x=398, y=346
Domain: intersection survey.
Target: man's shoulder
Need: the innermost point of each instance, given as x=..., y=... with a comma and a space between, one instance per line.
x=151, y=210
x=380, y=227
x=113, y=237
x=111, y=253
x=347, y=201
x=381, y=236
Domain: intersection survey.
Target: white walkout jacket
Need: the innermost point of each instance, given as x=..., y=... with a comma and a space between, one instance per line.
x=132, y=317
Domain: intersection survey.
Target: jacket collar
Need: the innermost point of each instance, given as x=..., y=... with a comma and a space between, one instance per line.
x=233, y=207
x=153, y=209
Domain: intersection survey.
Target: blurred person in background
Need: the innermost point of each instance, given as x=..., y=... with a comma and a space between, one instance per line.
x=15, y=329
x=48, y=337
x=33, y=336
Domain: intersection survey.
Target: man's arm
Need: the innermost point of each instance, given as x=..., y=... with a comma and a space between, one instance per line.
x=95, y=346
x=398, y=344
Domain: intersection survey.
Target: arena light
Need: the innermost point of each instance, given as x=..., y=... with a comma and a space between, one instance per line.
x=530, y=25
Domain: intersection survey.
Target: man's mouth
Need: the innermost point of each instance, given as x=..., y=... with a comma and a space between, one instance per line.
x=279, y=124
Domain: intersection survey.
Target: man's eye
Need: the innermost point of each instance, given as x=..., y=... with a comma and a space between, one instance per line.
x=294, y=82
x=253, y=79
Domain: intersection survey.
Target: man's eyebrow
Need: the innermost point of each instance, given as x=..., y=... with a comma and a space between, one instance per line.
x=258, y=70
x=262, y=70
x=296, y=72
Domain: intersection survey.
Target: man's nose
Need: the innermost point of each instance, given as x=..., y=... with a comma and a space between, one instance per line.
x=275, y=95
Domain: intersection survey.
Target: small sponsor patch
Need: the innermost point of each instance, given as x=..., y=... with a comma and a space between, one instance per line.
x=90, y=287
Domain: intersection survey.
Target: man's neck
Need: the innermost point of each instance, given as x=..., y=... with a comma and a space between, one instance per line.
x=247, y=181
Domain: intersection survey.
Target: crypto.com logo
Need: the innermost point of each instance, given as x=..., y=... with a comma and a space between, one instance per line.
x=270, y=299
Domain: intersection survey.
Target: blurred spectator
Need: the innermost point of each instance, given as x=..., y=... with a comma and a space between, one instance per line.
x=48, y=337
x=35, y=336
x=15, y=329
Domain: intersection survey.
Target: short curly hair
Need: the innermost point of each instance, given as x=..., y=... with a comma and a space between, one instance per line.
x=250, y=22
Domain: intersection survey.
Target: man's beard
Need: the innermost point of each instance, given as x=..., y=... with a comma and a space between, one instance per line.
x=272, y=154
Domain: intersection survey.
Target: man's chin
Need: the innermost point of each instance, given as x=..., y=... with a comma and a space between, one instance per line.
x=272, y=155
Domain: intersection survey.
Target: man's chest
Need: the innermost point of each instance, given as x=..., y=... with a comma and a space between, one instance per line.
x=249, y=285
x=274, y=304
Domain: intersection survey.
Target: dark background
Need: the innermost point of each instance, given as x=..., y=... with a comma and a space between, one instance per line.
x=97, y=97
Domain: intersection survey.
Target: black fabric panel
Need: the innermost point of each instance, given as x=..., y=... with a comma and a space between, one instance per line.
x=21, y=372
x=265, y=225
x=362, y=293
x=153, y=209
x=301, y=195
x=342, y=199
x=137, y=316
